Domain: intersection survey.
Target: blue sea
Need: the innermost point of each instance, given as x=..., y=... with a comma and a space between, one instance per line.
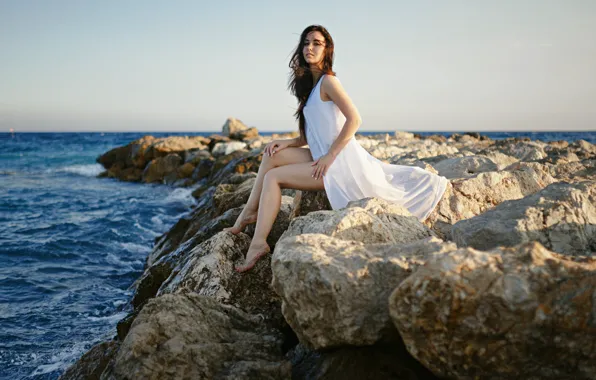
x=71, y=244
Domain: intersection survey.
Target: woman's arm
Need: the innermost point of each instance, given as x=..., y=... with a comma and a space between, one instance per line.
x=338, y=95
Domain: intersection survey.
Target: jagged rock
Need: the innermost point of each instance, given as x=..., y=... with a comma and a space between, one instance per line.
x=466, y=198
x=186, y=170
x=188, y=336
x=232, y=126
x=334, y=292
x=561, y=216
x=309, y=201
x=195, y=156
x=500, y=159
x=175, y=145
x=203, y=169
x=92, y=363
x=357, y=363
x=246, y=134
x=523, y=150
x=216, y=139
x=208, y=269
x=225, y=148
x=228, y=196
x=369, y=220
x=158, y=169
x=511, y=313
x=464, y=167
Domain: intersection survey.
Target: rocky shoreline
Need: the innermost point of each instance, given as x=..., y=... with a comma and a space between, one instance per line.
x=498, y=283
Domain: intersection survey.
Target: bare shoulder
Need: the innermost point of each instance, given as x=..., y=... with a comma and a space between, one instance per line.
x=330, y=85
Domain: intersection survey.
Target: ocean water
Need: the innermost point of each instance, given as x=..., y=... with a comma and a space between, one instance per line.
x=71, y=244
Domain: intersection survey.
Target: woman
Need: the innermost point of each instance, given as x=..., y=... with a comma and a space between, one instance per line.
x=335, y=162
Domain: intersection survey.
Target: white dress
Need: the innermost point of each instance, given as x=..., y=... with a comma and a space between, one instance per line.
x=356, y=174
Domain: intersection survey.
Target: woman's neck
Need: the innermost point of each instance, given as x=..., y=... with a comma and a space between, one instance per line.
x=316, y=74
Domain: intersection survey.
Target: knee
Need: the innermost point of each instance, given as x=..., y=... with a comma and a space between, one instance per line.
x=272, y=176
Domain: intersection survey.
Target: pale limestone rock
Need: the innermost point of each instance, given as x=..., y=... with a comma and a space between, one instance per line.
x=334, y=292
x=225, y=148
x=464, y=167
x=511, y=313
x=188, y=336
x=466, y=198
x=369, y=220
x=561, y=216
x=232, y=126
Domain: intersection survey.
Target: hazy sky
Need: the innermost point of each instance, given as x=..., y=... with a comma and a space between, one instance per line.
x=188, y=65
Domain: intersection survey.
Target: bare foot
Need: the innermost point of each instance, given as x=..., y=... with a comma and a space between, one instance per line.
x=245, y=218
x=255, y=252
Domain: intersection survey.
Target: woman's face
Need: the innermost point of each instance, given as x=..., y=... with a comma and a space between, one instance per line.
x=313, y=48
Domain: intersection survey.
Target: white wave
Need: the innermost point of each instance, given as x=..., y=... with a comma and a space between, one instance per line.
x=182, y=195
x=135, y=248
x=157, y=222
x=92, y=170
x=153, y=233
x=62, y=359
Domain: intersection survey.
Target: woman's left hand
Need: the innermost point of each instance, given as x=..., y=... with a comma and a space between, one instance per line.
x=322, y=165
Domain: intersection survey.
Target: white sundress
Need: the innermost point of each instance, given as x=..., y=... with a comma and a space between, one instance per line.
x=356, y=174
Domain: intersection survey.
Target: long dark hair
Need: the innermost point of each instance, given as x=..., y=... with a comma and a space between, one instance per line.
x=301, y=76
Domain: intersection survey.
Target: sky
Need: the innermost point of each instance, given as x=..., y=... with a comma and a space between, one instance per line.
x=442, y=65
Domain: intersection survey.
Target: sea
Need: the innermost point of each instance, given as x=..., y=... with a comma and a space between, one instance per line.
x=72, y=244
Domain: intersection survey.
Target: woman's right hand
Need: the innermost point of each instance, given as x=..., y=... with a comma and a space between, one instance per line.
x=275, y=146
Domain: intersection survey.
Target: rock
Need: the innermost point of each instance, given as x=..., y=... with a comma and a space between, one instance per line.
x=216, y=139
x=208, y=269
x=562, y=217
x=203, y=169
x=357, y=363
x=334, y=292
x=225, y=148
x=401, y=135
x=466, y=198
x=228, y=196
x=464, y=167
x=186, y=170
x=188, y=336
x=175, y=145
x=232, y=126
x=158, y=169
x=511, y=313
x=500, y=159
x=369, y=220
x=92, y=363
x=247, y=134
x=523, y=151
x=309, y=201
x=196, y=155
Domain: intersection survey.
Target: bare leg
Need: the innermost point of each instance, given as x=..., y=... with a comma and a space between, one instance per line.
x=283, y=157
x=295, y=176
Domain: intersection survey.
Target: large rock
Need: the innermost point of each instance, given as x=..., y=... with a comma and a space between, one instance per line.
x=208, y=269
x=188, y=336
x=91, y=365
x=225, y=148
x=232, y=126
x=309, y=201
x=464, y=167
x=161, y=169
x=466, y=198
x=369, y=220
x=511, y=313
x=334, y=292
x=175, y=145
x=561, y=216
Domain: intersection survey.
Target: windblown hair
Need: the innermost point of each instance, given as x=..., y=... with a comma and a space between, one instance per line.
x=301, y=76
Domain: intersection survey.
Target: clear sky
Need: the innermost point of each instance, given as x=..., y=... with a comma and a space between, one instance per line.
x=107, y=65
